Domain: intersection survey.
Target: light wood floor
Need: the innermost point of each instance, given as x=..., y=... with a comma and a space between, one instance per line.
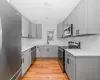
x=45, y=69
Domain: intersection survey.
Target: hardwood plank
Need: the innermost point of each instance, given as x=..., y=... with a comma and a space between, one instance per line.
x=45, y=69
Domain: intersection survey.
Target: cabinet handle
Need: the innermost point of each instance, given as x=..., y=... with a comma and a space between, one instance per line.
x=67, y=61
x=23, y=60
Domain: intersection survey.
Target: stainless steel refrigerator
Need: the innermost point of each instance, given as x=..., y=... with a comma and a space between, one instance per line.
x=10, y=42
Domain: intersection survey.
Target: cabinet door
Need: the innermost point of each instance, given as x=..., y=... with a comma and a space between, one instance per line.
x=60, y=30
x=25, y=27
x=79, y=17
x=66, y=61
x=24, y=63
x=69, y=19
x=71, y=66
x=23, y=66
x=53, y=52
x=26, y=60
x=33, y=30
x=45, y=52
x=29, y=58
x=93, y=16
x=39, y=31
x=38, y=51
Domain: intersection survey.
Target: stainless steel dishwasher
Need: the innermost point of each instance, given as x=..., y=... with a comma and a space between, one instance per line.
x=61, y=57
x=33, y=54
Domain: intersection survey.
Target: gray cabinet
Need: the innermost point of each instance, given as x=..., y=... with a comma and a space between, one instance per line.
x=45, y=51
x=66, y=62
x=70, y=66
x=39, y=31
x=94, y=16
x=32, y=30
x=60, y=30
x=85, y=18
x=38, y=51
x=79, y=17
x=49, y=51
x=35, y=30
x=82, y=67
x=26, y=61
x=25, y=27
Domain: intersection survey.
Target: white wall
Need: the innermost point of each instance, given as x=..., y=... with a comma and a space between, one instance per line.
x=88, y=43
x=45, y=27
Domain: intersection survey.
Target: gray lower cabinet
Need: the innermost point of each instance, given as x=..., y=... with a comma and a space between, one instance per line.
x=70, y=66
x=65, y=62
x=26, y=61
x=82, y=67
x=47, y=51
x=38, y=51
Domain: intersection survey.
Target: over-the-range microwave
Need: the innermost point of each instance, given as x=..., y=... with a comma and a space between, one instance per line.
x=68, y=31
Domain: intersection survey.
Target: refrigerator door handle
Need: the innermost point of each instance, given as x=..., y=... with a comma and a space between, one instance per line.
x=23, y=60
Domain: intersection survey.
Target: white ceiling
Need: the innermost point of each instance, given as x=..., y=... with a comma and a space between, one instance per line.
x=45, y=11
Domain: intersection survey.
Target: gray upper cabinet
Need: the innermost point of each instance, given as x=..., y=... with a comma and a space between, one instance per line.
x=79, y=18
x=60, y=30
x=39, y=31
x=35, y=30
x=31, y=30
x=94, y=16
x=25, y=27
x=85, y=18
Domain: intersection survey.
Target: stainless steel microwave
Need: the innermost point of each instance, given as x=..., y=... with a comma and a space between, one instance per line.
x=68, y=31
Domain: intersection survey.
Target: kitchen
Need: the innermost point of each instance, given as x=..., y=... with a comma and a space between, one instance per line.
x=47, y=34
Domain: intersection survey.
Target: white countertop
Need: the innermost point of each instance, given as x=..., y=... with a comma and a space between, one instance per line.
x=79, y=52
x=24, y=48
x=75, y=52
